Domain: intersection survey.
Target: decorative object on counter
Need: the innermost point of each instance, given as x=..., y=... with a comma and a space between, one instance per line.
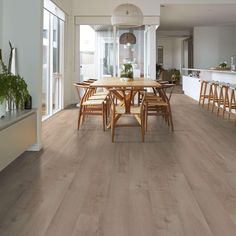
x=13, y=88
x=195, y=74
x=2, y=109
x=12, y=60
x=127, y=71
x=233, y=63
x=28, y=103
x=127, y=15
x=221, y=66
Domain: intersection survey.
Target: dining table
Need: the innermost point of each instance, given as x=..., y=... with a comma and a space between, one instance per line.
x=116, y=82
x=135, y=85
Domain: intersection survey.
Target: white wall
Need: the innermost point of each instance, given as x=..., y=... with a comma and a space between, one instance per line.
x=177, y=53
x=171, y=51
x=166, y=43
x=213, y=44
x=22, y=25
x=69, y=60
x=106, y=7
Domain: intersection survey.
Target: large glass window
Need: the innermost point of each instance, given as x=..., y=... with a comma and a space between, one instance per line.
x=53, y=61
x=104, y=49
x=96, y=51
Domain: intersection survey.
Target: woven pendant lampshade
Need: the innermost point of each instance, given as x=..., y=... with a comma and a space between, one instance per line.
x=127, y=38
x=127, y=15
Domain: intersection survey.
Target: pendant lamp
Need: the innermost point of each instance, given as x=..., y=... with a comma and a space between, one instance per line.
x=127, y=15
x=127, y=38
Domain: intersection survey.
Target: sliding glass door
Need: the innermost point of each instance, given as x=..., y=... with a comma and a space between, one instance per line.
x=104, y=49
x=53, y=61
x=96, y=51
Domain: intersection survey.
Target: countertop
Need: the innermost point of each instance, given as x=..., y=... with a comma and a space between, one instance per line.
x=211, y=70
x=14, y=116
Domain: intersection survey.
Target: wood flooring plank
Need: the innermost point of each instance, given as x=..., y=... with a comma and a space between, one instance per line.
x=216, y=216
x=176, y=210
x=81, y=184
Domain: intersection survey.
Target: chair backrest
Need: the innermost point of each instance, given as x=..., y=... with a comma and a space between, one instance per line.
x=162, y=91
x=84, y=91
x=125, y=95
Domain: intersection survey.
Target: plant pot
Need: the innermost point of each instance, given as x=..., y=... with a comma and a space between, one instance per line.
x=2, y=109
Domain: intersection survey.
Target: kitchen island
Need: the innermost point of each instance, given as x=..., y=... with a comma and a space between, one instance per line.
x=192, y=80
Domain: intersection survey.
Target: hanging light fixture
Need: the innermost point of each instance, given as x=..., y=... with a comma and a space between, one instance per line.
x=127, y=38
x=127, y=15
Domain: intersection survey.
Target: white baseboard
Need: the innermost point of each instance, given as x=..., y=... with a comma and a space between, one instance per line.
x=35, y=147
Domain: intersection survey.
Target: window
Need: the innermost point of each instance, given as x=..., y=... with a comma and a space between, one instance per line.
x=53, y=59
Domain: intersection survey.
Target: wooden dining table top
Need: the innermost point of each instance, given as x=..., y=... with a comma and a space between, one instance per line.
x=120, y=82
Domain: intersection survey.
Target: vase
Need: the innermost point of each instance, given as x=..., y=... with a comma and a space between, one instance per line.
x=2, y=109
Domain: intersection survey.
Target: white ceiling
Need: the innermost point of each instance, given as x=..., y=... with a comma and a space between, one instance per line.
x=185, y=17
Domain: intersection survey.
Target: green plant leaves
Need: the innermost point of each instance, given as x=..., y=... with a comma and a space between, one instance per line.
x=13, y=88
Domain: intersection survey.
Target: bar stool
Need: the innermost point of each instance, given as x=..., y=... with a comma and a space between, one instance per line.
x=223, y=98
x=203, y=92
x=213, y=95
x=232, y=101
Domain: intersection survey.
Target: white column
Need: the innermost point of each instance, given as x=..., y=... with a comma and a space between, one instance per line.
x=152, y=41
x=150, y=51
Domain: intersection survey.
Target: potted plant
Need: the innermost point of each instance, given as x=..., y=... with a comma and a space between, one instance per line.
x=2, y=97
x=13, y=89
x=175, y=75
x=127, y=71
x=3, y=91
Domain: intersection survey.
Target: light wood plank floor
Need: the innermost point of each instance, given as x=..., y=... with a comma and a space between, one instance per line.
x=80, y=184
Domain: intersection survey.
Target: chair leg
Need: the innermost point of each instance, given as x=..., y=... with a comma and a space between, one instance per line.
x=107, y=111
x=215, y=98
x=230, y=103
x=146, y=117
x=80, y=116
x=83, y=116
x=170, y=117
x=106, y=114
x=103, y=116
x=200, y=97
x=204, y=94
x=143, y=125
x=219, y=101
x=113, y=127
x=210, y=97
x=226, y=101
